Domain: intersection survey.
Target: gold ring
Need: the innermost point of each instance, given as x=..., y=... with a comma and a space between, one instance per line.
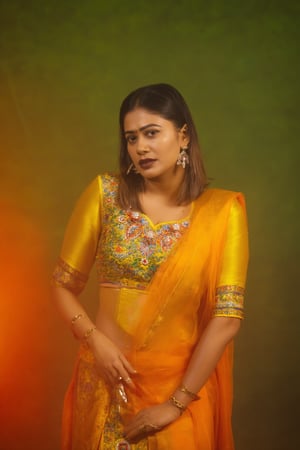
x=127, y=380
x=153, y=427
x=120, y=378
x=148, y=428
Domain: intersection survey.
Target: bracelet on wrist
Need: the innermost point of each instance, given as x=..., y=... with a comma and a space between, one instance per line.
x=88, y=333
x=75, y=318
x=186, y=391
x=173, y=400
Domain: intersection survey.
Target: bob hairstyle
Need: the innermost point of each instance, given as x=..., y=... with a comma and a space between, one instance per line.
x=167, y=102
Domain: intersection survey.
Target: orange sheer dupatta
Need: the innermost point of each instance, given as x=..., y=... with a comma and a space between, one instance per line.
x=182, y=290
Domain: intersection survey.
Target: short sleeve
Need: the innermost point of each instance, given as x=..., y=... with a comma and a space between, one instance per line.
x=234, y=263
x=80, y=240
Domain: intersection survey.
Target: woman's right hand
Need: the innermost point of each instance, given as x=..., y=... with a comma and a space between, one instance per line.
x=110, y=361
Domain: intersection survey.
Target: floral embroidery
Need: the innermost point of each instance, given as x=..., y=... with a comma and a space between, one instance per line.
x=112, y=437
x=131, y=248
x=122, y=445
x=229, y=301
x=133, y=231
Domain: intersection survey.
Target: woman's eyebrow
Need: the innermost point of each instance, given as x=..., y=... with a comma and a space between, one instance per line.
x=143, y=128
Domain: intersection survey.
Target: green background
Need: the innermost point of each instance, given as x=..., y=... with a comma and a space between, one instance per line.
x=65, y=68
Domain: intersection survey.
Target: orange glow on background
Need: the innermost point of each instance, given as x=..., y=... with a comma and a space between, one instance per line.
x=23, y=330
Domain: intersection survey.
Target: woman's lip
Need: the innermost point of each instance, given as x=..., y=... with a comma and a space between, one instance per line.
x=146, y=163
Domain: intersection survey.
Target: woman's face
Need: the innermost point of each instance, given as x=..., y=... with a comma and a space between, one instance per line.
x=153, y=143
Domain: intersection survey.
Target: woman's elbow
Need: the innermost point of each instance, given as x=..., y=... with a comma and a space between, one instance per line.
x=230, y=326
x=235, y=325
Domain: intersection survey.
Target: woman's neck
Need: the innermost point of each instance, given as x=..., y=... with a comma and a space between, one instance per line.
x=164, y=187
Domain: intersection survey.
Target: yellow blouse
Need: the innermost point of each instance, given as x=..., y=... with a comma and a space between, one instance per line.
x=128, y=248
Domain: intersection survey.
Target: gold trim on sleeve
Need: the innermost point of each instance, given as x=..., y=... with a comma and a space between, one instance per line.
x=67, y=277
x=229, y=301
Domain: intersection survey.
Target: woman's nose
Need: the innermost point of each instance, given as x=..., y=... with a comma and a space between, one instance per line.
x=142, y=146
x=142, y=150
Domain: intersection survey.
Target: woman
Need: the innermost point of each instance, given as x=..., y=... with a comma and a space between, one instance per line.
x=154, y=368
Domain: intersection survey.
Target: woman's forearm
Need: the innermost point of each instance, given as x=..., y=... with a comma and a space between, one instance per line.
x=110, y=361
x=219, y=332
x=72, y=312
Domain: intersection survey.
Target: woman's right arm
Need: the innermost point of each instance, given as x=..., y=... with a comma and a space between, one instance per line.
x=111, y=362
x=69, y=278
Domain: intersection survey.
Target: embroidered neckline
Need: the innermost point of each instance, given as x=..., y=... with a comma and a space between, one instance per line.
x=155, y=226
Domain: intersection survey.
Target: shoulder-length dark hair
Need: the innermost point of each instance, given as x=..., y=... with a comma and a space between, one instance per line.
x=167, y=102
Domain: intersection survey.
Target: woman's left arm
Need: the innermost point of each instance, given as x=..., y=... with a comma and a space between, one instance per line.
x=219, y=332
x=221, y=329
x=226, y=322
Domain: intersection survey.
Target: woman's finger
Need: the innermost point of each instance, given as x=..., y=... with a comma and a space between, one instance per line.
x=135, y=431
x=126, y=378
x=135, y=425
x=140, y=429
x=124, y=372
x=127, y=365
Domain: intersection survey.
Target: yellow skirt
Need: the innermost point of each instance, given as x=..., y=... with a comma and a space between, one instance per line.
x=91, y=416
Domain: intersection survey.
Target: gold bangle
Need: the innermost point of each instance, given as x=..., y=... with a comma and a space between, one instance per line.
x=177, y=403
x=89, y=332
x=78, y=316
x=191, y=394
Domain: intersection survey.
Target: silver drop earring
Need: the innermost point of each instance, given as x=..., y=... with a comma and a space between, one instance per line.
x=131, y=168
x=183, y=158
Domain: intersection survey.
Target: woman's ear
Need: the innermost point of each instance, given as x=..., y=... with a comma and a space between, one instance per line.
x=184, y=135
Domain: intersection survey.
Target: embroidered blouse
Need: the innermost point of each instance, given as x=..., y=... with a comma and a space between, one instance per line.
x=128, y=248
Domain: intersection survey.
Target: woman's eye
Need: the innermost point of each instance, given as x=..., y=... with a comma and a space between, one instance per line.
x=151, y=133
x=131, y=139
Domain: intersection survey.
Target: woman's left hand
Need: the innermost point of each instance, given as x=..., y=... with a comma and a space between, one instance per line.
x=150, y=420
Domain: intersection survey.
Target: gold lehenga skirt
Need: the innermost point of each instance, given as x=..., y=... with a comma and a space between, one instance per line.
x=92, y=419
x=112, y=437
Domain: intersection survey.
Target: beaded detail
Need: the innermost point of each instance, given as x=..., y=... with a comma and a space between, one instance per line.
x=131, y=248
x=112, y=437
x=229, y=301
x=65, y=276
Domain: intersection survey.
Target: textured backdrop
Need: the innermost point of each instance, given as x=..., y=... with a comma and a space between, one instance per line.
x=65, y=67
